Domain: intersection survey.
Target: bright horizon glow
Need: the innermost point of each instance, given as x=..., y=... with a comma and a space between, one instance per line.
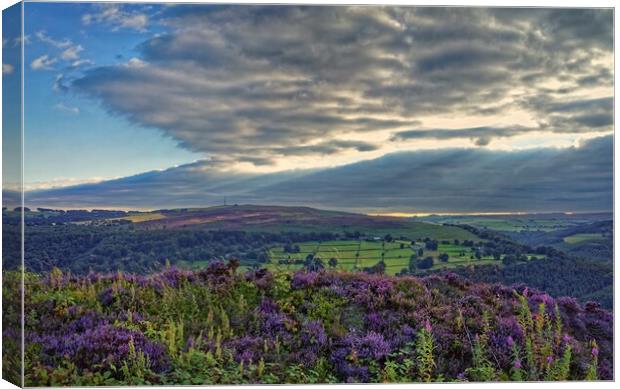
x=403, y=215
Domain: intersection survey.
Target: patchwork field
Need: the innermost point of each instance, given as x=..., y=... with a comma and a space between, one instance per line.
x=358, y=254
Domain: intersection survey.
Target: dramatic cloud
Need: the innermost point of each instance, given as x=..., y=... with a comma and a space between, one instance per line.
x=265, y=83
x=481, y=135
x=448, y=180
x=569, y=116
x=327, y=148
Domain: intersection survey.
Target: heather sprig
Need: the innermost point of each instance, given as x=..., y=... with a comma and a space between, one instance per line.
x=592, y=373
x=424, y=352
x=516, y=371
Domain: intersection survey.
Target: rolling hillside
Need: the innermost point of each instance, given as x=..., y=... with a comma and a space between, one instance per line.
x=303, y=219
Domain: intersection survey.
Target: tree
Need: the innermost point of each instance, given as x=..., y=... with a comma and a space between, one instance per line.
x=431, y=245
x=379, y=268
x=412, y=263
x=443, y=257
x=509, y=259
x=313, y=263
x=426, y=263
x=333, y=262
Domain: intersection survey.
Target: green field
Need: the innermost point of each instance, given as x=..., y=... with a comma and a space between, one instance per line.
x=357, y=254
x=580, y=238
x=142, y=217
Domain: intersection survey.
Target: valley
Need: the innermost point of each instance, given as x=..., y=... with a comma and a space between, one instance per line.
x=506, y=248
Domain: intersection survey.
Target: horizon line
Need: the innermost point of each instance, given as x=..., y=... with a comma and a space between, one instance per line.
x=396, y=214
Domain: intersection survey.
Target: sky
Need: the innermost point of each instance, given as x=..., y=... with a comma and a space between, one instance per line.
x=11, y=98
x=382, y=109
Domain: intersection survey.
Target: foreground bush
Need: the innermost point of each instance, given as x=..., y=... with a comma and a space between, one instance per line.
x=216, y=326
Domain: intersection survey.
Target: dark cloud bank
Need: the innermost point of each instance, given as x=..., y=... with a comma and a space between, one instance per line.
x=449, y=180
x=275, y=81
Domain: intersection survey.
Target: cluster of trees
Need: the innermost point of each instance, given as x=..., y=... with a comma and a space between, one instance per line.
x=425, y=263
x=311, y=263
x=559, y=276
x=431, y=245
x=517, y=245
x=600, y=249
x=106, y=248
x=496, y=245
x=500, y=247
x=291, y=248
x=378, y=268
x=416, y=262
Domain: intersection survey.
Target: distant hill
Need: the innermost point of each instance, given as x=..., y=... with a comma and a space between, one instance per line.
x=592, y=240
x=270, y=218
x=142, y=242
x=522, y=222
x=422, y=181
